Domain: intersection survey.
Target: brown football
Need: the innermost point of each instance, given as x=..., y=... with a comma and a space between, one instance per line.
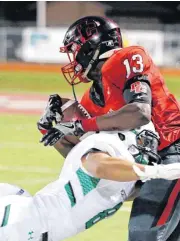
x=72, y=110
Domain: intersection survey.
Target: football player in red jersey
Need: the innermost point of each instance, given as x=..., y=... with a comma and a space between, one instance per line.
x=127, y=92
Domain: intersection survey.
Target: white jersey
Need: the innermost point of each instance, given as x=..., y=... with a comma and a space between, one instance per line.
x=9, y=189
x=73, y=203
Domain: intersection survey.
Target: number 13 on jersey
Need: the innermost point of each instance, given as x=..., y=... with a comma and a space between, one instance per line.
x=137, y=61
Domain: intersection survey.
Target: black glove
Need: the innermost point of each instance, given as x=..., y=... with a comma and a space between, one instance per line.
x=55, y=104
x=51, y=137
x=60, y=130
x=51, y=113
x=44, y=127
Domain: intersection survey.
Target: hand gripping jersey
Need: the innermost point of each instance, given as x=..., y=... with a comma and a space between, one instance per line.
x=75, y=202
x=107, y=94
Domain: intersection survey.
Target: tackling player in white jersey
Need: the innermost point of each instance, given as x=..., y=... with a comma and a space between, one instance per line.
x=82, y=195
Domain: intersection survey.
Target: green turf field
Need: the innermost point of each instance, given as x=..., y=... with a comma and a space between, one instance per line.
x=24, y=161
x=24, y=82
x=54, y=82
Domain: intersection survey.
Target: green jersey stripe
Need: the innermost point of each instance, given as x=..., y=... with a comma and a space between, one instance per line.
x=6, y=215
x=70, y=193
x=87, y=182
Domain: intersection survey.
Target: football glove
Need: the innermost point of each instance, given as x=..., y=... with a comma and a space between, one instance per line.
x=55, y=104
x=51, y=113
x=60, y=131
x=168, y=172
x=43, y=127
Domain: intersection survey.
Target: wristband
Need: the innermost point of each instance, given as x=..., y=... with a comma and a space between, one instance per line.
x=89, y=124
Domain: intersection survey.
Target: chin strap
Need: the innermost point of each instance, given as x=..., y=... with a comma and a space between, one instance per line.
x=94, y=58
x=74, y=93
x=84, y=75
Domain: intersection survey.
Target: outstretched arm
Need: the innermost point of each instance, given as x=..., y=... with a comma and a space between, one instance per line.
x=101, y=165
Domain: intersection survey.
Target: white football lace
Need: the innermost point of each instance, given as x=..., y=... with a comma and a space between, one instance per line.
x=84, y=111
x=67, y=105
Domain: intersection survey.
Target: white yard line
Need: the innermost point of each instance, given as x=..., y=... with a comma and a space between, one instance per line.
x=27, y=104
x=24, y=102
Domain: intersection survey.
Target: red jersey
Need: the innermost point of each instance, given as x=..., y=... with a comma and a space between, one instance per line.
x=123, y=65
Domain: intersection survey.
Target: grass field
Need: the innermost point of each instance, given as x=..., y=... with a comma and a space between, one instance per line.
x=24, y=161
x=24, y=82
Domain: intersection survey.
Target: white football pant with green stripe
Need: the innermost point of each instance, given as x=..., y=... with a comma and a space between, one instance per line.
x=73, y=203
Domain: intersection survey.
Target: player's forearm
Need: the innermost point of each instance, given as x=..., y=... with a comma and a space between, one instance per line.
x=101, y=165
x=115, y=169
x=63, y=148
x=128, y=117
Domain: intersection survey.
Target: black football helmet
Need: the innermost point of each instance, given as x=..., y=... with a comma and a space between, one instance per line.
x=86, y=42
x=146, y=148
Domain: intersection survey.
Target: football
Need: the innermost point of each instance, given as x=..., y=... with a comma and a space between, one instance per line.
x=72, y=110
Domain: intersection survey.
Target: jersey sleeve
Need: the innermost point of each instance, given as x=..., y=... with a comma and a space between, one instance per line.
x=125, y=64
x=137, y=89
x=136, y=62
x=131, y=67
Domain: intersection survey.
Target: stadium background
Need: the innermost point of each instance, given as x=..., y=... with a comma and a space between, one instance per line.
x=30, y=35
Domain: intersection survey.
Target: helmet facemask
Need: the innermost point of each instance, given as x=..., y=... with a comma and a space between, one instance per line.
x=73, y=70
x=145, y=151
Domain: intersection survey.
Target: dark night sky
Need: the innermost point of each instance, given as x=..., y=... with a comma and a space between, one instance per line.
x=18, y=11
x=167, y=11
